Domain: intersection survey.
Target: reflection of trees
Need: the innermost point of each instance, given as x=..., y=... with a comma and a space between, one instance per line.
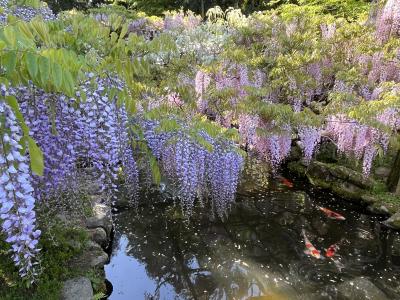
x=258, y=247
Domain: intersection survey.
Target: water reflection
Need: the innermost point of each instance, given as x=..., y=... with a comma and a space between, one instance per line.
x=257, y=251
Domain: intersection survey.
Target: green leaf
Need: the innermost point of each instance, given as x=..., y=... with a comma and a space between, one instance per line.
x=36, y=157
x=9, y=61
x=57, y=76
x=31, y=64
x=68, y=83
x=44, y=70
x=10, y=36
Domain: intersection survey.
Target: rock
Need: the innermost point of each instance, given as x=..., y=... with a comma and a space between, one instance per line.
x=320, y=171
x=95, y=258
x=382, y=172
x=393, y=221
x=101, y=218
x=378, y=210
x=358, y=179
x=347, y=190
x=369, y=199
x=99, y=236
x=93, y=246
x=122, y=203
x=360, y=288
x=79, y=288
x=340, y=172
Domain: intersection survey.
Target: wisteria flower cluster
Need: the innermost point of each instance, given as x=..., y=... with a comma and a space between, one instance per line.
x=72, y=132
x=16, y=196
x=310, y=137
x=198, y=172
x=359, y=140
x=25, y=13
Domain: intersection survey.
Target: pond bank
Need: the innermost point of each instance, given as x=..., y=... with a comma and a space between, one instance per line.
x=76, y=233
x=99, y=228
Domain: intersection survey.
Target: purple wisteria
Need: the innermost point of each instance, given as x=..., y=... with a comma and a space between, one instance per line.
x=310, y=137
x=16, y=196
x=91, y=132
x=198, y=172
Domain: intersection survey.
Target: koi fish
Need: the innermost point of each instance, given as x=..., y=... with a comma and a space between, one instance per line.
x=331, y=214
x=311, y=250
x=285, y=181
x=331, y=251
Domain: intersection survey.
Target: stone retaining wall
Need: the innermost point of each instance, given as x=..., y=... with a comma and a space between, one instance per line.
x=95, y=255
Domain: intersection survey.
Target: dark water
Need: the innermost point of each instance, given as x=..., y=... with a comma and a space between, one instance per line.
x=257, y=251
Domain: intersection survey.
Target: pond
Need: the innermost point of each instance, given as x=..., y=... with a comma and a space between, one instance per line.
x=257, y=252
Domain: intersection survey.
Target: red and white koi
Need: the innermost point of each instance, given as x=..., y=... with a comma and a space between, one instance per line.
x=331, y=254
x=331, y=251
x=331, y=214
x=310, y=249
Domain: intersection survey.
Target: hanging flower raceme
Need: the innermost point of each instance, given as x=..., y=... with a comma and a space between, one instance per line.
x=76, y=132
x=310, y=137
x=17, y=203
x=197, y=172
x=359, y=140
x=388, y=22
x=274, y=148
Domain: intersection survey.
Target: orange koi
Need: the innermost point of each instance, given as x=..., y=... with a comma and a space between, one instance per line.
x=311, y=250
x=286, y=181
x=331, y=214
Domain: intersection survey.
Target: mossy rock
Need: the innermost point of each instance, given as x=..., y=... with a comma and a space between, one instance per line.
x=393, y=221
x=348, y=191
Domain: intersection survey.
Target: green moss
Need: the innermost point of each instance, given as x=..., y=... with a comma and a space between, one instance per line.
x=59, y=244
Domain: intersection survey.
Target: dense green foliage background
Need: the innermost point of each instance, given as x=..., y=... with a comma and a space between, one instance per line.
x=345, y=8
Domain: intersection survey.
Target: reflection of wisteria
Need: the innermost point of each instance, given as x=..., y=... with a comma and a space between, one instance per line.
x=257, y=250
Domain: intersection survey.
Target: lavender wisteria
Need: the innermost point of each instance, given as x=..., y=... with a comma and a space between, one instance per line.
x=16, y=196
x=310, y=137
x=198, y=172
x=91, y=132
x=360, y=140
x=25, y=13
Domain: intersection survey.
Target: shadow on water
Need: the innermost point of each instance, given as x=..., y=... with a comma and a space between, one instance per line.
x=257, y=251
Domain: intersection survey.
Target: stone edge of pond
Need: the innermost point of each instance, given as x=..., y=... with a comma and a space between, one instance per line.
x=349, y=185
x=96, y=254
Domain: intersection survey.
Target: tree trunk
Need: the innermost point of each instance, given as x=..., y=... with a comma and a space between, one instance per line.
x=202, y=9
x=394, y=176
